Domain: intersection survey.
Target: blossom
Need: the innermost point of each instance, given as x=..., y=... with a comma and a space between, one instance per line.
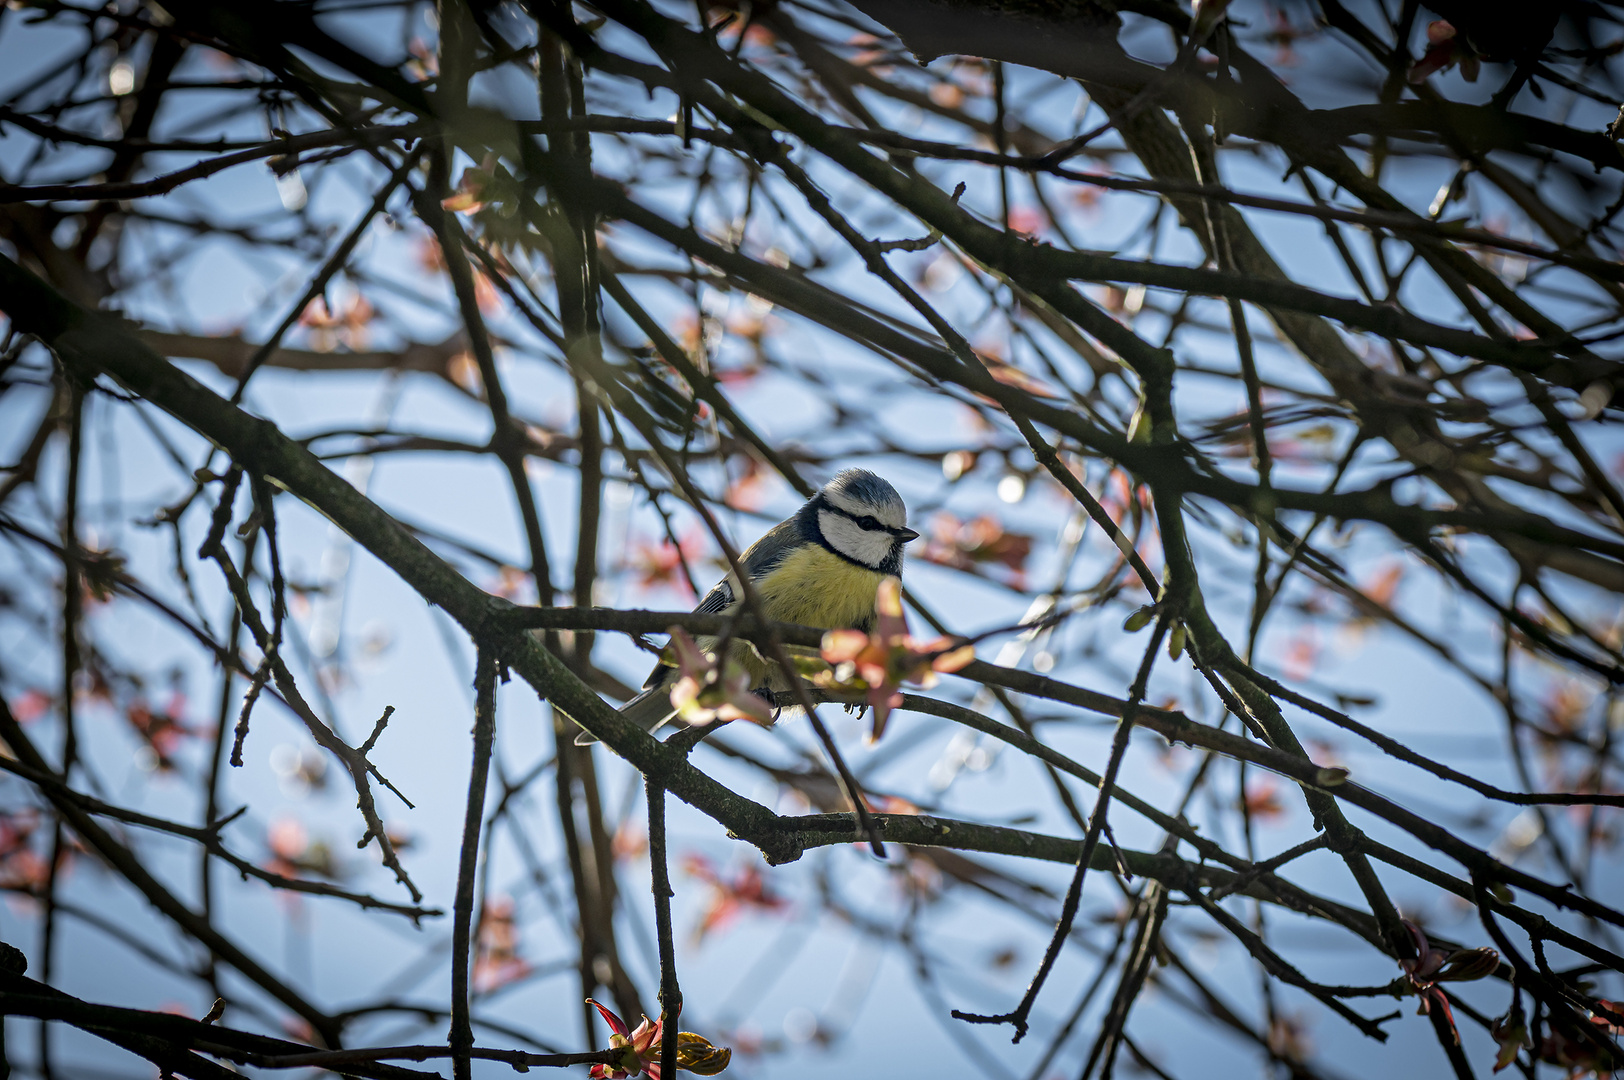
x=637, y=1050
x=21, y=867
x=32, y=705
x=1431, y=966
x=979, y=542
x=747, y=491
x=100, y=573
x=1445, y=49
x=1511, y=1032
x=1583, y=1052
x=709, y=688
x=163, y=731
x=695, y=1054
x=294, y=854
x=1261, y=799
x=884, y=660
x=345, y=325
x=489, y=182
x=746, y=890
x=661, y=565
x=496, y=960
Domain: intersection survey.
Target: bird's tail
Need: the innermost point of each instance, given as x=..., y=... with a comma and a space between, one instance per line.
x=650, y=710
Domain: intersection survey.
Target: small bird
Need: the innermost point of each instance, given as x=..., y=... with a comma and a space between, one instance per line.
x=819, y=568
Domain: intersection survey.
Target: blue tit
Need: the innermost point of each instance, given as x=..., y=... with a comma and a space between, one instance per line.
x=819, y=568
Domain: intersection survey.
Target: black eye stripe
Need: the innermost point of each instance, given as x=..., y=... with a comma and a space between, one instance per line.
x=867, y=521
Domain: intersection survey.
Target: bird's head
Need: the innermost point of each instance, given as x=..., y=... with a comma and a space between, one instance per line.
x=862, y=517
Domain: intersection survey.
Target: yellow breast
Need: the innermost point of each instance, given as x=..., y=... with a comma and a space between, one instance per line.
x=811, y=587
x=815, y=587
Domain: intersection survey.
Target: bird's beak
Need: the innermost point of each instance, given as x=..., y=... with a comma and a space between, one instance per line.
x=906, y=535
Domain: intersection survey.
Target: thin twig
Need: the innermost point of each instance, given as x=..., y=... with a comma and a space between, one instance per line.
x=1096, y=824
x=461, y=1038
x=670, y=992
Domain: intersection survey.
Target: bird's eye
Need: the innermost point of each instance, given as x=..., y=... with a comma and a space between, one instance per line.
x=869, y=523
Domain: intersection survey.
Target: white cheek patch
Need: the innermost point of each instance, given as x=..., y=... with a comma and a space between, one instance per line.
x=854, y=541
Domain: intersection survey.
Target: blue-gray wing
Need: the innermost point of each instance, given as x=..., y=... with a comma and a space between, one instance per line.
x=717, y=600
x=758, y=560
x=766, y=553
